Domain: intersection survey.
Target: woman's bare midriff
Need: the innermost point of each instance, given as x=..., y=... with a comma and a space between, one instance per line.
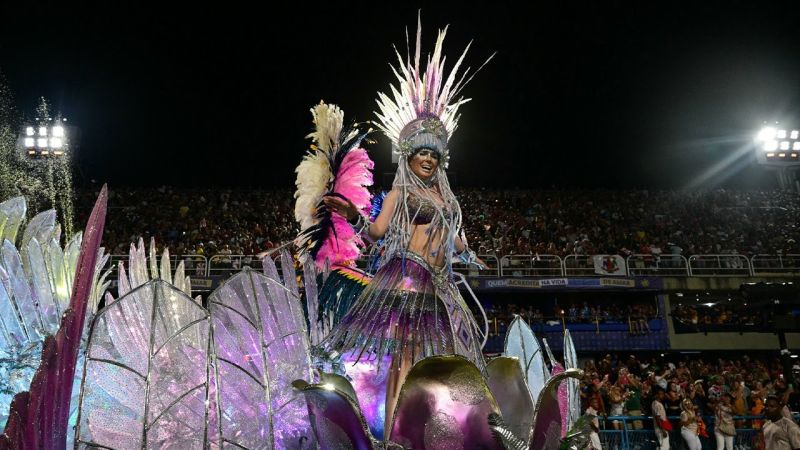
x=428, y=247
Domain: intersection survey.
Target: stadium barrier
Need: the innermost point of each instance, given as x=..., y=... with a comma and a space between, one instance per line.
x=193, y=265
x=641, y=265
x=637, y=433
x=775, y=264
x=719, y=266
x=542, y=266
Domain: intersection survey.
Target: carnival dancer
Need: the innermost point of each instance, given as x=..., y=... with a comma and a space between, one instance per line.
x=412, y=308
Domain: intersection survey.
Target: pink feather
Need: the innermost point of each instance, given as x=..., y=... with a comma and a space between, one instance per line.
x=342, y=245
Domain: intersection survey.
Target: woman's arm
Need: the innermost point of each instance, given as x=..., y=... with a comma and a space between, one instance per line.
x=378, y=228
x=374, y=230
x=461, y=247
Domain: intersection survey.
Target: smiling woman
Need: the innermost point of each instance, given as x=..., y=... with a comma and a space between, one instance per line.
x=412, y=308
x=424, y=162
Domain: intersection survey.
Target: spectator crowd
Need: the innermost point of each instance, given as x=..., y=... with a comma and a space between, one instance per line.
x=196, y=222
x=500, y=222
x=704, y=389
x=720, y=313
x=501, y=315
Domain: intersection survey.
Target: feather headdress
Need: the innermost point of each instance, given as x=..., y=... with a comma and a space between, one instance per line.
x=422, y=110
x=335, y=165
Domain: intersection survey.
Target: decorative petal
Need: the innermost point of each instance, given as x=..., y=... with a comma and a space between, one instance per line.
x=57, y=270
x=522, y=344
x=337, y=420
x=573, y=385
x=547, y=419
x=152, y=260
x=40, y=228
x=146, y=377
x=508, y=386
x=166, y=269
x=12, y=214
x=40, y=283
x=260, y=347
x=23, y=298
x=12, y=331
x=137, y=265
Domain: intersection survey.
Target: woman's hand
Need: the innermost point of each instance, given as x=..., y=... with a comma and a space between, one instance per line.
x=341, y=206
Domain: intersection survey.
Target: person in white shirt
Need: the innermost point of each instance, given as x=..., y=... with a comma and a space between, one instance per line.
x=594, y=436
x=780, y=433
x=659, y=418
x=689, y=425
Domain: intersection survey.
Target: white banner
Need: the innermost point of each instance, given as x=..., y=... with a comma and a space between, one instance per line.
x=609, y=265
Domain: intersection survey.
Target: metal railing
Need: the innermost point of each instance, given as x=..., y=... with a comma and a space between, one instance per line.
x=531, y=266
x=226, y=265
x=637, y=265
x=636, y=432
x=194, y=265
x=719, y=266
x=775, y=264
x=579, y=266
x=642, y=265
x=493, y=267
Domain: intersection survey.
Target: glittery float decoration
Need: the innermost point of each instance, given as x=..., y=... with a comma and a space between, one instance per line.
x=442, y=433
x=38, y=419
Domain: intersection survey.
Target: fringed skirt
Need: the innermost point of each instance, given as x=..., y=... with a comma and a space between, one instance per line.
x=409, y=309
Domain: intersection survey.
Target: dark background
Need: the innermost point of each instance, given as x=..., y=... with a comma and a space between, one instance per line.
x=610, y=94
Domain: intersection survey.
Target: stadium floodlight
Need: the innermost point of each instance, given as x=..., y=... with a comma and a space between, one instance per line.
x=772, y=141
x=43, y=139
x=766, y=134
x=778, y=147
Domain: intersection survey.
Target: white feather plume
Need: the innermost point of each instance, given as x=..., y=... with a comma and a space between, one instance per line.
x=328, y=120
x=314, y=172
x=313, y=175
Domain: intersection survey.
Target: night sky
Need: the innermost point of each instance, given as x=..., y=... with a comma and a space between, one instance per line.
x=602, y=94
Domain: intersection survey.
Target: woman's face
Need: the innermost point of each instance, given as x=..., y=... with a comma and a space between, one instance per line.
x=424, y=163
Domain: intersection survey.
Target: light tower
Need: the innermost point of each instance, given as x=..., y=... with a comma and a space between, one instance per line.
x=45, y=138
x=46, y=145
x=778, y=148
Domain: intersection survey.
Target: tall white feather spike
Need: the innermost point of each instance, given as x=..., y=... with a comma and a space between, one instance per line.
x=423, y=92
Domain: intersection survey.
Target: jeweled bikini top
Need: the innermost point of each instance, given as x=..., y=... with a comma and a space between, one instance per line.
x=420, y=209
